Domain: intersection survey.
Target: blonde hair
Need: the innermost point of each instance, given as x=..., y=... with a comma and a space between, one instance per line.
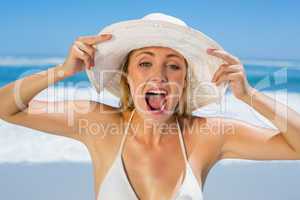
x=126, y=101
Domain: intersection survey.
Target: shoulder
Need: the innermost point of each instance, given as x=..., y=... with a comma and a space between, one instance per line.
x=205, y=137
x=213, y=132
x=204, y=132
x=237, y=138
x=96, y=120
x=221, y=129
x=208, y=126
x=103, y=127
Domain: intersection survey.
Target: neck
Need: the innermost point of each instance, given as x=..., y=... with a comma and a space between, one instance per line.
x=152, y=132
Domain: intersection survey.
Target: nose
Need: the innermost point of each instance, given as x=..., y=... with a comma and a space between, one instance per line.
x=159, y=75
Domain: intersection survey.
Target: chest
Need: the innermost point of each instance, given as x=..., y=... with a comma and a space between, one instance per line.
x=163, y=167
x=159, y=166
x=154, y=172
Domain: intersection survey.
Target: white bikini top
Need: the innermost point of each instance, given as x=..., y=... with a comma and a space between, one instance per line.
x=116, y=185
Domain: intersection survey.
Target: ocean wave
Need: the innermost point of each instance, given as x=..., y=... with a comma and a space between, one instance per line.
x=271, y=63
x=29, y=61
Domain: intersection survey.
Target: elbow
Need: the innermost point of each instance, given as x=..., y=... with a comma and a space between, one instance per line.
x=6, y=117
x=298, y=155
x=295, y=155
x=11, y=118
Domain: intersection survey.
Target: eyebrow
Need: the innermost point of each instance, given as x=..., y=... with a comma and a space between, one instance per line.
x=145, y=52
x=152, y=54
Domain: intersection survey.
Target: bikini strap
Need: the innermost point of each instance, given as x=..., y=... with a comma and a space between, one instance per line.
x=126, y=131
x=183, y=149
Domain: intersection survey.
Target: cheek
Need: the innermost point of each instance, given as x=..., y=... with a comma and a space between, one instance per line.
x=179, y=81
x=177, y=86
x=136, y=85
x=135, y=73
x=134, y=78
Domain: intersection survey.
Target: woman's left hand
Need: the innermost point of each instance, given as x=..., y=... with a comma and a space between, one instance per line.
x=232, y=71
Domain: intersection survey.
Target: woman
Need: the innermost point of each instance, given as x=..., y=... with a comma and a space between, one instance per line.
x=153, y=147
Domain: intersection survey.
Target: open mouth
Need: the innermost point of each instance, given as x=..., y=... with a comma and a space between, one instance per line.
x=156, y=100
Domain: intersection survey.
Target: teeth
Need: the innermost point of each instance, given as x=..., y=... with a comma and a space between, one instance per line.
x=157, y=91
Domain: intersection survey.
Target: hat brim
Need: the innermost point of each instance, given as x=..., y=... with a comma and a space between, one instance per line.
x=134, y=34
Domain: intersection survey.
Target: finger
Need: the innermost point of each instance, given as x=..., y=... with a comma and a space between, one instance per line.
x=219, y=72
x=223, y=77
x=95, y=39
x=87, y=49
x=233, y=68
x=230, y=59
x=226, y=68
x=228, y=77
x=83, y=56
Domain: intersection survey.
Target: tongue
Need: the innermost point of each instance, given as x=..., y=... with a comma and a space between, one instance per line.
x=156, y=101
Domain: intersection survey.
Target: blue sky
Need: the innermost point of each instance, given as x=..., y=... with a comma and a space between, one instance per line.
x=247, y=29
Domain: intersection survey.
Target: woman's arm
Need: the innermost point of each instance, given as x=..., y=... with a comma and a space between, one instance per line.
x=60, y=117
x=282, y=116
x=254, y=142
x=16, y=95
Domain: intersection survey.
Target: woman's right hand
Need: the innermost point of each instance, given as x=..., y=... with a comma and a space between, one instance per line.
x=82, y=53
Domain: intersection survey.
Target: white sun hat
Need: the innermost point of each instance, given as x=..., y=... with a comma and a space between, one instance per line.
x=158, y=29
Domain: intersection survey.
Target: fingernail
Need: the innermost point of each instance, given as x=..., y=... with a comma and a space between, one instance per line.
x=210, y=50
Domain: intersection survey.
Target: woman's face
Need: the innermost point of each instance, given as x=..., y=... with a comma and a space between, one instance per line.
x=156, y=76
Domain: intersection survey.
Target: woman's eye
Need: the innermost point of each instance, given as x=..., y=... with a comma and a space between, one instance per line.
x=145, y=64
x=174, y=67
